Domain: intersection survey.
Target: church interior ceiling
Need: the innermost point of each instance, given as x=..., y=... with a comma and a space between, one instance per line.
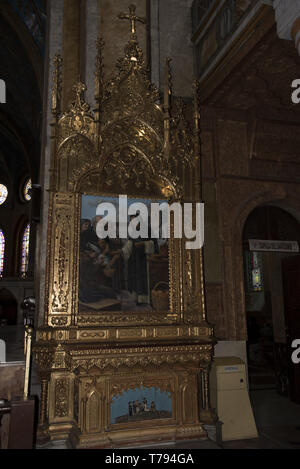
x=20, y=121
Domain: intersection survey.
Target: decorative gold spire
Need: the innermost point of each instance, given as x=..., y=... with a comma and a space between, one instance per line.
x=79, y=104
x=79, y=88
x=167, y=105
x=132, y=18
x=56, y=90
x=133, y=53
x=99, y=75
x=197, y=139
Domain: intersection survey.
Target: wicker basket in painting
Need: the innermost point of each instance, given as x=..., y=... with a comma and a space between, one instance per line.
x=160, y=296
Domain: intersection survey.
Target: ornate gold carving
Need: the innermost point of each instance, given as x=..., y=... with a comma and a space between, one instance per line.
x=131, y=358
x=166, y=385
x=78, y=119
x=57, y=79
x=128, y=333
x=133, y=143
x=144, y=146
x=60, y=302
x=61, y=397
x=44, y=358
x=93, y=335
x=123, y=319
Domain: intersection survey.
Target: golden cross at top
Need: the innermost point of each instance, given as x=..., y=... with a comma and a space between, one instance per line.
x=132, y=18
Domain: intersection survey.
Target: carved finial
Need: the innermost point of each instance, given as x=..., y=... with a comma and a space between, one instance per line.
x=168, y=80
x=196, y=101
x=132, y=18
x=196, y=117
x=79, y=88
x=197, y=140
x=133, y=53
x=56, y=91
x=167, y=104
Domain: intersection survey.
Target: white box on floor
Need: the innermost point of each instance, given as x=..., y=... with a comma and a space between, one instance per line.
x=230, y=398
x=2, y=351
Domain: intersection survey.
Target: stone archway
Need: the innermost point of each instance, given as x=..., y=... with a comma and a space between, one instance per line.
x=264, y=294
x=234, y=212
x=233, y=293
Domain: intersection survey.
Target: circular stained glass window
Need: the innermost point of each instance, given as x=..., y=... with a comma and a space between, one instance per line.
x=27, y=187
x=3, y=193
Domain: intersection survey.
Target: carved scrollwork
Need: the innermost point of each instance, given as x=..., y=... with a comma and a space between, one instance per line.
x=117, y=389
x=182, y=146
x=61, y=397
x=78, y=119
x=123, y=319
x=156, y=357
x=60, y=303
x=44, y=358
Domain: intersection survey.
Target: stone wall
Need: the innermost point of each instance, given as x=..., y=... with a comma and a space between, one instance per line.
x=236, y=181
x=53, y=47
x=171, y=26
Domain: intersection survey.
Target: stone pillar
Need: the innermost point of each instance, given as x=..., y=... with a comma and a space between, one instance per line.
x=43, y=435
x=207, y=414
x=171, y=26
x=287, y=14
x=55, y=12
x=92, y=17
x=73, y=47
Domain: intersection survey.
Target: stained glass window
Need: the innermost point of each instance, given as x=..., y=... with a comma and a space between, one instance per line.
x=2, y=249
x=27, y=188
x=25, y=250
x=3, y=193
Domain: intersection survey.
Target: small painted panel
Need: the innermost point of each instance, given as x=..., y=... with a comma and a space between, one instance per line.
x=141, y=404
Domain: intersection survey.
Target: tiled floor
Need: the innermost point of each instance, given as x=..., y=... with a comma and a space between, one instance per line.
x=277, y=419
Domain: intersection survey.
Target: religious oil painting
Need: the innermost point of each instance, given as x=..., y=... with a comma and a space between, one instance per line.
x=141, y=404
x=121, y=272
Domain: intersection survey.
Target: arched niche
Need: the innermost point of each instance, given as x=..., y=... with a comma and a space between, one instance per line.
x=8, y=307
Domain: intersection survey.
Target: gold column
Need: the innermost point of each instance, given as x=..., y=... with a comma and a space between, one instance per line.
x=207, y=415
x=44, y=402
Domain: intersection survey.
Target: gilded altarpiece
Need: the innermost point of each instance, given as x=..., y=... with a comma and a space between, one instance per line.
x=121, y=377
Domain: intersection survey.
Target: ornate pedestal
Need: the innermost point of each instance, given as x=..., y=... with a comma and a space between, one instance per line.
x=86, y=375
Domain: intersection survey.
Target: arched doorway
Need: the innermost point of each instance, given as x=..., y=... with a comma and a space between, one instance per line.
x=8, y=308
x=269, y=358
